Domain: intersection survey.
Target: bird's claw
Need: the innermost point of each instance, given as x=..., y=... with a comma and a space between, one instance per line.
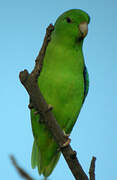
x=50, y=107
x=66, y=143
x=66, y=135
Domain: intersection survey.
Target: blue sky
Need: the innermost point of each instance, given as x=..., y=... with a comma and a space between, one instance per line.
x=22, y=29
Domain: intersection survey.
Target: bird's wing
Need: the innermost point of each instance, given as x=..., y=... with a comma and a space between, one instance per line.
x=86, y=82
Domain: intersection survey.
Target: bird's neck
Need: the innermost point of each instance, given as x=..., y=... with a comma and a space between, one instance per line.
x=68, y=52
x=68, y=43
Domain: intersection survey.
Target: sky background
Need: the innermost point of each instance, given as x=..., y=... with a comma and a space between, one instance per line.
x=22, y=29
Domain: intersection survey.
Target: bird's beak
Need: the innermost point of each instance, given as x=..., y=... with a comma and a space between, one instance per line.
x=83, y=27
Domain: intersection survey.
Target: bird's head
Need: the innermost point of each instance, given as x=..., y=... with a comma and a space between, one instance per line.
x=72, y=25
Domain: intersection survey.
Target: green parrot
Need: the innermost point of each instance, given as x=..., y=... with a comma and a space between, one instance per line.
x=64, y=84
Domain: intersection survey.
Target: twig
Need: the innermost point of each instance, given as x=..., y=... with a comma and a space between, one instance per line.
x=39, y=60
x=92, y=169
x=29, y=81
x=22, y=173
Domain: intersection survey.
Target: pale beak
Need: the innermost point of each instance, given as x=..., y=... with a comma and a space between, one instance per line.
x=83, y=27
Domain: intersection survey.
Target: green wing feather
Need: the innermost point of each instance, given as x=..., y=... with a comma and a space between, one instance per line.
x=36, y=161
x=34, y=155
x=44, y=152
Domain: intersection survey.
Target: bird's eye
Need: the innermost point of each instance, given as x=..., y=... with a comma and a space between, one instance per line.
x=68, y=20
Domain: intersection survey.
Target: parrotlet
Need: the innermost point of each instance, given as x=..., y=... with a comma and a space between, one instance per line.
x=64, y=83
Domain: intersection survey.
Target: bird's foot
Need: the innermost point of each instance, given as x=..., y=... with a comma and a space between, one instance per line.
x=66, y=143
x=50, y=107
x=68, y=139
x=66, y=135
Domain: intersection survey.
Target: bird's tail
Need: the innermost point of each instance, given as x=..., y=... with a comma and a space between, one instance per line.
x=37, y=161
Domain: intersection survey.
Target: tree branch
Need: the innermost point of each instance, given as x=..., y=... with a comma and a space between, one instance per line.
x=29, y=81
x=92, y=169
x=22, y=173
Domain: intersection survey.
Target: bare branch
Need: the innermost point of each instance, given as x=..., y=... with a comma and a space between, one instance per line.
x=22, y=173
x=92, y=169
x=39, y=60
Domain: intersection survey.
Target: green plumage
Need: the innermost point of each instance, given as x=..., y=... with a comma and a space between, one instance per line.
x=64, y=85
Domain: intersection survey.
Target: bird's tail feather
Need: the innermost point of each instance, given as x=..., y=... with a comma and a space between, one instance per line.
x=34, y=155
x=36, y=161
